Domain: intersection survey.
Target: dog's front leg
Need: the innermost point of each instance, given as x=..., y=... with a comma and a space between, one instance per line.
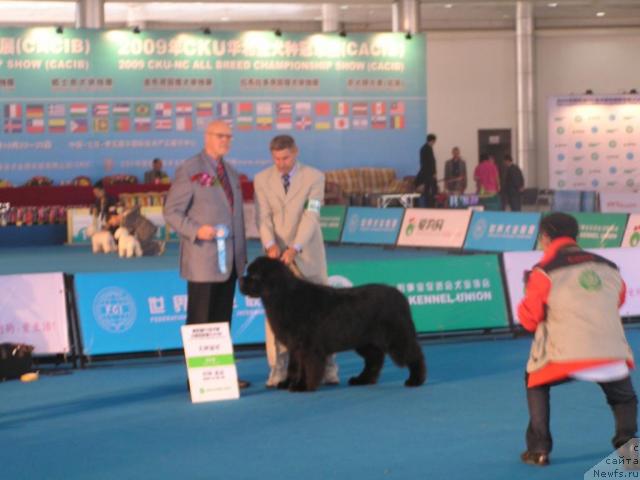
x=296, y=371
x=314, y=365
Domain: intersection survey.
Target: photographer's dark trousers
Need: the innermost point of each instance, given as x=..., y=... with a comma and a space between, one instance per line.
x=620, y=397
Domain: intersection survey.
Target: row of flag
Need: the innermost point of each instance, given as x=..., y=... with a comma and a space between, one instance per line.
x=189, y=116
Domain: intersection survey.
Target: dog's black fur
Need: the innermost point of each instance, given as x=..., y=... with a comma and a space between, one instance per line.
x=314, y=321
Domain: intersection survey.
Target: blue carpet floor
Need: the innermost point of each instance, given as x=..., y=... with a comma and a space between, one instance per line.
x=133, y=420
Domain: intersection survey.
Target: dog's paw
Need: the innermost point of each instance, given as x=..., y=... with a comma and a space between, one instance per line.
x=357, y=381
x=284, y=384
x=298, y=387
x=413, y=382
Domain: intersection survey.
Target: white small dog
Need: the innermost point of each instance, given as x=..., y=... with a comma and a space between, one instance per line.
x=101, y=241
x=128, y=245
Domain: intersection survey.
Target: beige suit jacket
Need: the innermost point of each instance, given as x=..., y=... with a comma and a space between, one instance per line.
x=286, y=220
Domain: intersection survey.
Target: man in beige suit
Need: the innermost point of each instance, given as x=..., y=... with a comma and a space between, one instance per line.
x=288, y=200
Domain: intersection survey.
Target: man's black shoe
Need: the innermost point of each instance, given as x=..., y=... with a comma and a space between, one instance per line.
x=533, y=458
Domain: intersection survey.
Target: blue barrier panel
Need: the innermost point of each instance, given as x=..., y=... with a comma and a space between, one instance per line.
x=143, y=311
x=372, y=225
x=502, y=231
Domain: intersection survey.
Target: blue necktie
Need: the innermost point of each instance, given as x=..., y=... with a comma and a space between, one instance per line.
x=285, y=182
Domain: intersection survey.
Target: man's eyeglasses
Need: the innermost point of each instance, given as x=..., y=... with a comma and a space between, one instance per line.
x=221, y=136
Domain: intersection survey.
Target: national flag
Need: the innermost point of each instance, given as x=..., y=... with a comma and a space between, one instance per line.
x=101, y=125
x=35, y=111
x=121, y=109
x=396, y=108
x=244, y=123
x=396, y=121
x=79, y=109
x=378, y=108
x=202, y=122
x=341, y=123
x=360, y=108
x=163, y=109
x=341, y=109
x=142, y=110
x=13, y=110
x=264, y=108
x=142, y=124
x=163, y=124
x=100, y=109
x=323, y=109
x=360, y=123
x=12, y=125
x=224, y=109
x=122, y=124
x=379, y=122
x=323, y=125
x=183, y=108
x=56, y=110
x=79, y=125
x=244, y=108
x=184, y=123
x=303, y=122
x=35, y=125
x=303, y=108
x=204, y=109
x=284, y=123
x=284, y=108
x=57, y=125
x=264, y=123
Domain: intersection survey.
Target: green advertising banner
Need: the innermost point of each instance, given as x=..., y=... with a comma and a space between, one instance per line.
x=601, y=230
x=331, y=221
x=447, y=293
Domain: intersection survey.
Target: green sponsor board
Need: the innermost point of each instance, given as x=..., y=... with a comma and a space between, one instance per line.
x=331, y=221
x=601, y=230
x=210, y=361
x=445, y=294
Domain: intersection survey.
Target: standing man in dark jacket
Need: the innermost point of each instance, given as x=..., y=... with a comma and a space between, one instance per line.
x=513, y=184
x=427, y=174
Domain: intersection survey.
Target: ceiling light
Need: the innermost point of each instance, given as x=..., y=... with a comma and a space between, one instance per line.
x=344, y=7
x=224, y=19
x=552, y=5
x=600, y=14
x=448, y=5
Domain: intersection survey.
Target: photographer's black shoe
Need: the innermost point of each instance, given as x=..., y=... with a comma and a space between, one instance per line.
x=534, y=458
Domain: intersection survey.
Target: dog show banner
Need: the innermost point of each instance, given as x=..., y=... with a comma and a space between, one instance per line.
x=143, y=311
x=611, y=202
x=436, y=228
x=502, y=231
x=211, y=367
x=370, y=225
x=34, y=312
x=601, y=230
x=331, y=222
x=445, y=293
x=102, y=102
x=594, y=142
x=517, y=263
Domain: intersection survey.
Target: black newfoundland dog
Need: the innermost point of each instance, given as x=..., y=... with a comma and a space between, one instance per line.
x=314, y=321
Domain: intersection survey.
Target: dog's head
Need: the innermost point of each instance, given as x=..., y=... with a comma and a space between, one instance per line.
x=262, y=274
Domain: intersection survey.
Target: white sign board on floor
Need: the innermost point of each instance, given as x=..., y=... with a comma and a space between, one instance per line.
x=33, y=311
x=210, y=362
